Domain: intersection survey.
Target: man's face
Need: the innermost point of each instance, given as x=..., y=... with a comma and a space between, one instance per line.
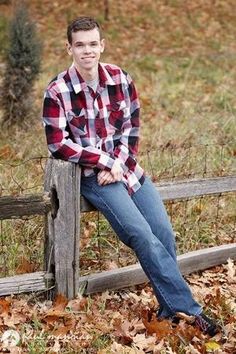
x=86, y=49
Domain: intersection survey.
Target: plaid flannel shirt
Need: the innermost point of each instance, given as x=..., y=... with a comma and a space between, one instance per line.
x=94, y=128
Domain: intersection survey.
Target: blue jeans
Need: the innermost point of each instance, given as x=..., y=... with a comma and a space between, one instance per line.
x=141, y=223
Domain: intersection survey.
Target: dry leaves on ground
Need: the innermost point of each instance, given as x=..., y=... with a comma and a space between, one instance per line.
x=119, y=322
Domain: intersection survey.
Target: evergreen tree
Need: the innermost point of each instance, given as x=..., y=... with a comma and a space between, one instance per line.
x=22, y=67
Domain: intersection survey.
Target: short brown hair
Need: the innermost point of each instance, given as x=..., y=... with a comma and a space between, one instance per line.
x=82, y=24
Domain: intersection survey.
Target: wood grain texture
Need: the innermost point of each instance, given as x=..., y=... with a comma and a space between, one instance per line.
x=133, y=275
x=186, y=189
x=30, y=282
x=18, y=206
x=12, y=207
x=62, y=182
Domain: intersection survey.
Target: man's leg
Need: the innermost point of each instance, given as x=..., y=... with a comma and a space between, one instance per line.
x=149, y=202
x=133, y=229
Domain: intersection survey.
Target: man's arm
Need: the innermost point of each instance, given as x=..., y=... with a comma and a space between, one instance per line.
x=126, y=151
x=59, y=143
x=127, y=148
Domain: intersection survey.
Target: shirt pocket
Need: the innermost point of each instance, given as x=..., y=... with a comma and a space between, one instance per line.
x=116, y=114
x=77, y=122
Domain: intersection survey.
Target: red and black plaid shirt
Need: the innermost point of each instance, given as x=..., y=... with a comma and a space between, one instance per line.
x=94, y=128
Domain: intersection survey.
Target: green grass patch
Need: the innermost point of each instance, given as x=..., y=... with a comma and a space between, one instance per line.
x=3, y=34
x=21, y=240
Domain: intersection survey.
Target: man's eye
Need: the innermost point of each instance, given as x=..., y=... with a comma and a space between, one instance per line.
x=94, y=44
x=79, y=45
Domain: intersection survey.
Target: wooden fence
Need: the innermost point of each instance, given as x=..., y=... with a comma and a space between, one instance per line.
x=62, y=205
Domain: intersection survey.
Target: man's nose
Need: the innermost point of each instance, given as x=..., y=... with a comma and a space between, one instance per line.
x=87, y=49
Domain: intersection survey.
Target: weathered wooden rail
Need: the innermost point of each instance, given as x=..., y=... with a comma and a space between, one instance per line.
x=61, y=204
x=17, y=206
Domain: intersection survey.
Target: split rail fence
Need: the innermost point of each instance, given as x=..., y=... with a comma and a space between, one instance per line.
x=62, y=206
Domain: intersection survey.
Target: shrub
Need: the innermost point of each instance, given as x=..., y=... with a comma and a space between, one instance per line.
x=22, y=67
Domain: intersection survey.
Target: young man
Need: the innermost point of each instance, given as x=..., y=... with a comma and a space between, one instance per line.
x=91, y=117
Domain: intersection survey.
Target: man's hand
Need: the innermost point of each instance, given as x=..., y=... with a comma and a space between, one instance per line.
x=117, y=171
x=107, y=177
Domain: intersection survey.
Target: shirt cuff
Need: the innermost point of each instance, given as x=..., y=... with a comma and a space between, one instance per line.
x=121, y=164
x=105, y=162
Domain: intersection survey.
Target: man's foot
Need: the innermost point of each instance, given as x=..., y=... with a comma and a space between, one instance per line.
x=203, y=322
x=206, y=325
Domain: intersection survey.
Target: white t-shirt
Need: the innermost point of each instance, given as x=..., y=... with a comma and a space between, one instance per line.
x=93, y=84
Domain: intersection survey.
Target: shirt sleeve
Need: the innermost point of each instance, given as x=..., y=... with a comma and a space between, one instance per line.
x=127, y=148
x=59, y=142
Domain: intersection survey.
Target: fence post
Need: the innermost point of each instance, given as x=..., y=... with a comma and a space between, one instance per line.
x=62, y=182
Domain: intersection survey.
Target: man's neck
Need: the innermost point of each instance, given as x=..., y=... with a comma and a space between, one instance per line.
x=88, y=75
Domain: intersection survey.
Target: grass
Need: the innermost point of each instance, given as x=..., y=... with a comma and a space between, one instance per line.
x=37, y=344
x=3, y=34
x=182, y=57
x=21, y=244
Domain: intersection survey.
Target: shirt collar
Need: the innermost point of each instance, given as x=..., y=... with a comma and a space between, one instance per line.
x=77, y=81
x=104, y=76
x=79, y=84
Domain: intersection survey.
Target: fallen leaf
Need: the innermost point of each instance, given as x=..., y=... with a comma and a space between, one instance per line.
x=192, y=350
x=137, y=326
x=162, y=328
x=65, y=328
x=187, y=332
x=25, y=266
x=87, y=234
x=158, y=347
x=231, y=270
x=122, y=331
x=117, y=348
x=14, y=319
x=143, y=342
x=54, y=315
x=56, y=347
x=60, y=302
x=134, y=296
x=110, y=265
x=78, y=304
x=212, y=346
x=4, y=306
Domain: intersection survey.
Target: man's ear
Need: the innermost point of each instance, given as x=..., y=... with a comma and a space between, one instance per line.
x=68, y=48
x=102, y=45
